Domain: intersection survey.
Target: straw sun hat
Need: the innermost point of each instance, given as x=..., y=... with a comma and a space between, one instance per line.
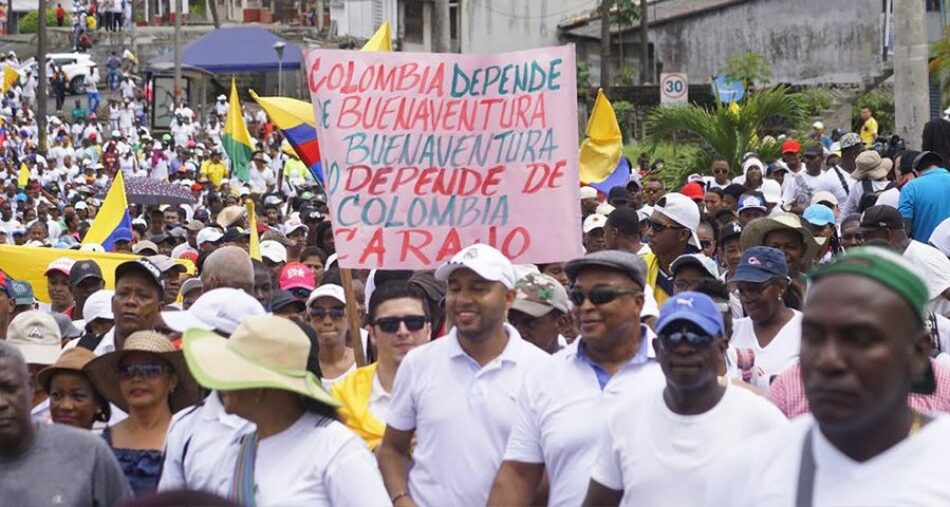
x=104, y=370
x=73, y=361
x=264, y=352
x=755, y=232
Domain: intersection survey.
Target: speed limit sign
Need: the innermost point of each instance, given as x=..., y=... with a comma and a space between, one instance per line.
x=674, y=89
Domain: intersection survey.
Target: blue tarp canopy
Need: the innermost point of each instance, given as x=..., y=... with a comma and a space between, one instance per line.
x=240, y=49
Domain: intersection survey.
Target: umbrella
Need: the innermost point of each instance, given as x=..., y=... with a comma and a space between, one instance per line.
x=152, y=192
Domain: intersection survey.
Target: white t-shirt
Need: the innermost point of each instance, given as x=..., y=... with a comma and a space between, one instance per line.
x=462, y=414
x=658, y=457
x=328, y=382
x=851, y=204
x=757, y=365
x=562, y=413
x=764, y=471
x=936, y=270
x=315, y=462
x=823, y=181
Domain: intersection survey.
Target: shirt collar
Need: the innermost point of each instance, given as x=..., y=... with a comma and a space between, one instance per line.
x=378, y=392
x=510, y=354
x=643, y=355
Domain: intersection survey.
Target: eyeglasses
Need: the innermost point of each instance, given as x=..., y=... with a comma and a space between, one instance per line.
x=299, y=293
x=754, y=292
x=392, y=324
x=700, y=341
x=599, y=295
x=705, y=243
x=659, y=227
x=321, y=313
x=720, y=171
x=146, y=370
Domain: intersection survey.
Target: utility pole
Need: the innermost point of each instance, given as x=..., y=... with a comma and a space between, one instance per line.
x=178, y=8
x=911, y=79
x=605, y=42
x=645, y=71
x=441, y=35
x=41, y=97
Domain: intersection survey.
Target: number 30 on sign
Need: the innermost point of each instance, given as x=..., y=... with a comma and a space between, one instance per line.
x=674, y=89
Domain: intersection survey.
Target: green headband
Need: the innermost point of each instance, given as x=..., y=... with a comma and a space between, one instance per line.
x=882, y=266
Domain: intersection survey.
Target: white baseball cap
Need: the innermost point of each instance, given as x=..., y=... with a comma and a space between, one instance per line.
x=327, y=291
x=682, y=210
x=292, y=224
x=36, y=335
x=604, y=209
x=772, y=191
x=220, y=310
x=588, y=193
x=595, y=221
x=273, y=251
x=208, y=234
x=98, y=306
x=485, y=261
x=62, y=265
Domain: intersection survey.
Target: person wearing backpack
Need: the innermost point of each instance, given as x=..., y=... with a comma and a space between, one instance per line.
x=870, y=175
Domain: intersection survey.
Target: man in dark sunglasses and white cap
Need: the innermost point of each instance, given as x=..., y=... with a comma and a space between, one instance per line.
x=662, y=446
x=563, y=404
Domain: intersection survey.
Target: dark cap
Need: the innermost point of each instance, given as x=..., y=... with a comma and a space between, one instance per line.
x=618, y=192
x=625, y=262
x=729, y=231
x=882, y=217
x=234, y=234
x=760, y=264
x=82, y=270
x=140, y=266
x=927, y=159
x=814, y=150
x=907, y=161
x=21, y=291
x=282, y=299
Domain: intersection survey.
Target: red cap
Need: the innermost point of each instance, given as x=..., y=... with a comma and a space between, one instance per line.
x=196, y=186
x=296, y=276
x=190, y=255
x=92, y=136
x=791, y=146
x=694, y=191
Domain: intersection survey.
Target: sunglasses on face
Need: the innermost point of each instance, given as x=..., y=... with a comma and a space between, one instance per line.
x=598, y=295
x=391, y=324
x=720, y=171
x=699, y=341
x=300, y=293
x=146, y=370
x=753, y=292
x=321, y=313
x=659, y=227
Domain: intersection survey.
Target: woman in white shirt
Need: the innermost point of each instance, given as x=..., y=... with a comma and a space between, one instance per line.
x=767, y=341
x=298, y=454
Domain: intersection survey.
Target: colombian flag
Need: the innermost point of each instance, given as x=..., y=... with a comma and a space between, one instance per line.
x=600, y=158
x=296, y=122
x=236, y=139
x=112, y=222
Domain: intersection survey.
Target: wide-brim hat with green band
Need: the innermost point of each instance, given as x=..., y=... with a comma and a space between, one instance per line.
x=264, y=352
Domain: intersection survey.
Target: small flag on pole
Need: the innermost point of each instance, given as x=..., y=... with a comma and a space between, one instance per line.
x=236, y=139
x=381, y=40
x=254, y=246
x=112, y=222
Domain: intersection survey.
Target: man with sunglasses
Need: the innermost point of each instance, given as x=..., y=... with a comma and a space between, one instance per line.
x=662, y=445
x=720, y=174
x=458, y=395
x=563, y=403
x=864, y=348
x=399, y=322
x=673, y=223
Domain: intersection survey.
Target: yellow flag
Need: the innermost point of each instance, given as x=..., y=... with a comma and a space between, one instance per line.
x=381, y=40
x=24, y=177
x=254, y=247
x=10, y=77
x=600, y=152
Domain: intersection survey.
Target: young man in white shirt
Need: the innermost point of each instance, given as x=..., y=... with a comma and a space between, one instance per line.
x=563, y=403
x=864, y=345
x=458, y=394
x=662, y=445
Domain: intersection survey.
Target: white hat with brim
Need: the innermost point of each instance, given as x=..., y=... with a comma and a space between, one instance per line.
x=264, y=352
x=755, y=232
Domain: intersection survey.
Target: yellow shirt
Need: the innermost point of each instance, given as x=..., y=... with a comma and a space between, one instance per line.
x=653, y=275
x=353, y=393
x=869, y=132
x=214, y=172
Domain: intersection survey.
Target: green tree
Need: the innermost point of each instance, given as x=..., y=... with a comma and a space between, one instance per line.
x=940, y=65
x=623, y=14
x=749, y=68
x=728, y=131
x=31, y=20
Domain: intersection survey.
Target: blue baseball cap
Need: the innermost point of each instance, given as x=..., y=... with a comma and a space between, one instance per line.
x=819, y=215
x=692, y=307
x=751, y=201
x=760, y=264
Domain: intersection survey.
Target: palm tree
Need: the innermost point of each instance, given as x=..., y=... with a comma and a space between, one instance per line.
x=939, y=65
x=728, y=131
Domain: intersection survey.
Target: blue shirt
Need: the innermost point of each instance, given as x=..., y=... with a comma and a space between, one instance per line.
x=926, y=201
x=603, y=376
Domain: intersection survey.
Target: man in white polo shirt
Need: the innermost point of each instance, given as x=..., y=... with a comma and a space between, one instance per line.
x=563, y=404
x=458, y=395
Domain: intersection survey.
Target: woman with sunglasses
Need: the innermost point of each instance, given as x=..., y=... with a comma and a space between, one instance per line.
x=767, y=341
x=149, y=380
x=73, y=400
x=326, y=308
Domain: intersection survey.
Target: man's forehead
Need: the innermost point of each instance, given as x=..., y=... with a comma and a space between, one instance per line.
x=597, y=275
x=399, y=306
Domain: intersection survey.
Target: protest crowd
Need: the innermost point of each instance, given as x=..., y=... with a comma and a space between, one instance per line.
x=770, y=334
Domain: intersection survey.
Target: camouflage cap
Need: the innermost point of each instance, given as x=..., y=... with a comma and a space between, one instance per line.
x=538, y=294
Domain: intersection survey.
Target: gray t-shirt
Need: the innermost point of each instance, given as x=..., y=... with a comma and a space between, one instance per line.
x=64, y=466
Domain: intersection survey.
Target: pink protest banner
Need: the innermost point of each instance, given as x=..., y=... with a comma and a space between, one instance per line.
x=424, y=154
